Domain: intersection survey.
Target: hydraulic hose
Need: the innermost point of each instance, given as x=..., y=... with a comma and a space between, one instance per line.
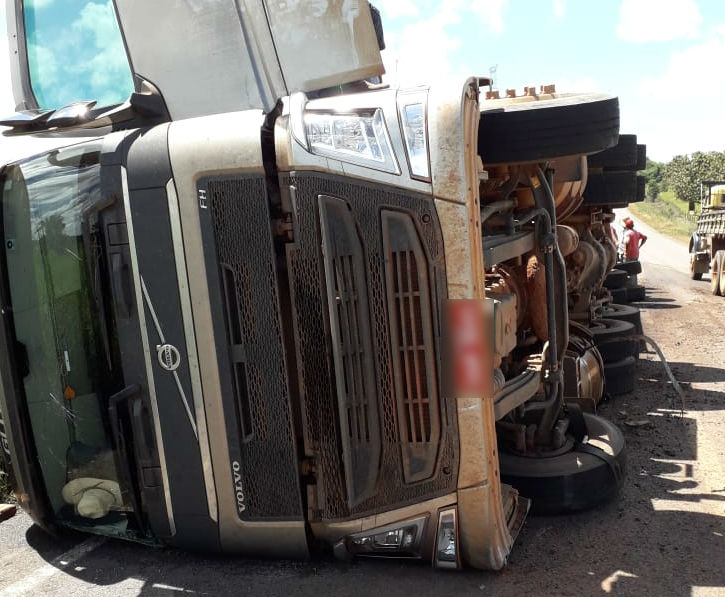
x=496, y=207
x=557, y=312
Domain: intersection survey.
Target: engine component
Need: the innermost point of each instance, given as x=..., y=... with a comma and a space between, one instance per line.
x=536, y=288
x=568, y=239
x=583, y=373
x=502, y=313
x=511, y=280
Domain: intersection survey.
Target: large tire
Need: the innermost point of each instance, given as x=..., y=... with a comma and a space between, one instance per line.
x=623, y=156
x=631, y=267
x=619, y=295
x=576, y=480
x=610, y=338
x=694, y=274
x=641, y=157
x=641, y=190
x=624, y=313
x=529, y=130
x=615, y=187
x=636, y=293
x=615, y=279
x=721, y=277
x=715, y=269
x=619, y=376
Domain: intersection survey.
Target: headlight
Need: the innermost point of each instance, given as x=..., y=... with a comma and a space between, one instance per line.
x=399, y=540
x=412, y=107
x=359, y=137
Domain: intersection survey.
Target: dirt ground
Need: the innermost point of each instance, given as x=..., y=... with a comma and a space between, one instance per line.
x=663, y=535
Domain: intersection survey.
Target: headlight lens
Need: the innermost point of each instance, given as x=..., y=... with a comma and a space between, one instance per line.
x=358, y=137
x=414, y=122
x=400, y=540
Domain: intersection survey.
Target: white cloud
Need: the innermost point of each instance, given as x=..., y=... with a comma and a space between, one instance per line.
x=107, y=70
x=490, y=12
x=421, y=51
x=559, y=9
x=394, y=9
x=658, y=20
x=681, y=109
x=580, y=85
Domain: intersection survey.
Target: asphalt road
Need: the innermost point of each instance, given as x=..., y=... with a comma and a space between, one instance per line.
x=663, y=535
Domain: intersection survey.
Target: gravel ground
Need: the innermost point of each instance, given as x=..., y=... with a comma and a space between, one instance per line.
x=663, y=535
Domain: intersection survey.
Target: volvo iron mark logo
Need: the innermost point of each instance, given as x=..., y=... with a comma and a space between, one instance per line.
x=169, y=357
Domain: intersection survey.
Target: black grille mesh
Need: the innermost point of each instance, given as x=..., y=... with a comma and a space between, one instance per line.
x=352, y=347
x=410, y=312
x=315, y=363
x=241, y=223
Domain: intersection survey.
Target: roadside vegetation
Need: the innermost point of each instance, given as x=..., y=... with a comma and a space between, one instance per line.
x=673, y=192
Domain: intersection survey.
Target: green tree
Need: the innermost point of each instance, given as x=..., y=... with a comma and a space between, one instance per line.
x=654, y=172
x=653, y=190
x=684, y=173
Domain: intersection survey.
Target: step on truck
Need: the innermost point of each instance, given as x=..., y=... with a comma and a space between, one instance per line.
x=256, y=302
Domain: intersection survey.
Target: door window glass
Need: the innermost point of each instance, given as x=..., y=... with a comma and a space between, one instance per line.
x=75, y=52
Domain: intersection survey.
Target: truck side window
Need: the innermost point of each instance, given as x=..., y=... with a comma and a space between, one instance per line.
x=75, y=52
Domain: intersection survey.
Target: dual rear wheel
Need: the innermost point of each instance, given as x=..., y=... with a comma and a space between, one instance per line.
x=717, y=274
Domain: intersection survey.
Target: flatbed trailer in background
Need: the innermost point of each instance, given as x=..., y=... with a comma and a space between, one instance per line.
x=707, y=244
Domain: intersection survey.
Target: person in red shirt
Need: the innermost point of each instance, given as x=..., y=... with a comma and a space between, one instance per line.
x=632, y=240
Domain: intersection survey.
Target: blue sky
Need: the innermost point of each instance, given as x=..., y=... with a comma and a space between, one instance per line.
x=665, y=59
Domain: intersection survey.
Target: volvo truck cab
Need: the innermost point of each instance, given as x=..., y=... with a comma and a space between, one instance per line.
x=244, y=294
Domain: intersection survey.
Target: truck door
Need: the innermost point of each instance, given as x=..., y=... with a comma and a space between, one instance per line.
x=203, y=57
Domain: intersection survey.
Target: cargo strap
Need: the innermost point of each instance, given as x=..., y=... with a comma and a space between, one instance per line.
x=611, y=461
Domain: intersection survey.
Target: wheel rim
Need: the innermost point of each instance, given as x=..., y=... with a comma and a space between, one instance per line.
x=715, y=269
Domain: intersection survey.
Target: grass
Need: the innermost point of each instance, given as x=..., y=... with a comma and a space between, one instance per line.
x=667, y=215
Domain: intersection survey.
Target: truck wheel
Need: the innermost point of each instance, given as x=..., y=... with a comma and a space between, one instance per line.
x=641, y=189
x=530, y=130
x=624, y=313
x=577, y=480
x=721, y=277
x=715, y=269
x=610, y=338
x=623, y=156
x=619, y=376
x=631, y=267
x=613, y=187
x=619, y=295
x=615, y=279
x=694, y=274
x=636, y=293
x=641, y=157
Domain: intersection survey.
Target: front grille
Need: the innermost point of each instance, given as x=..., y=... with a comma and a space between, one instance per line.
x=315, y=350
x=411, y=317
x=246, y=309
x=348, y=305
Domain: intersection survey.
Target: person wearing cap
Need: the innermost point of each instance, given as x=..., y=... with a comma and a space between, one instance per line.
x=632, y=240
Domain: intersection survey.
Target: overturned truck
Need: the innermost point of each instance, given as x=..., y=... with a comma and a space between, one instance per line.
x=302, y=311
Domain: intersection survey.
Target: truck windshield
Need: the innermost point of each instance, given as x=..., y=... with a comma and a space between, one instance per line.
x=75, y=52
x=66, y=349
